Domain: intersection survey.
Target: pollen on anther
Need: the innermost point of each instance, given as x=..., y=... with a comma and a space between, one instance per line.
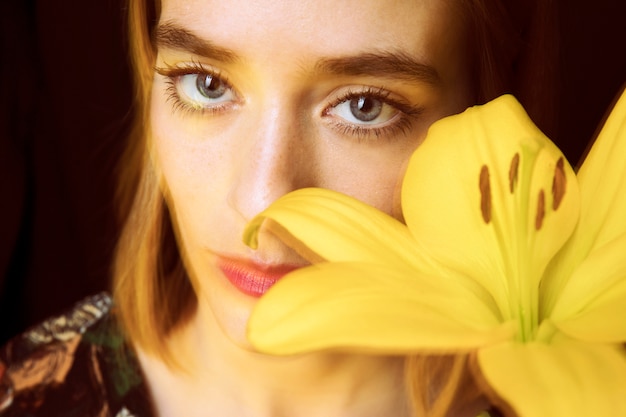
x=513, y=171
x=485, y=194
x=541, y=210
x=558, y=184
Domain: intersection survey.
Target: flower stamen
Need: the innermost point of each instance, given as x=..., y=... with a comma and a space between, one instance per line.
x=558, y=184
x=513, y=170
x=485, y=194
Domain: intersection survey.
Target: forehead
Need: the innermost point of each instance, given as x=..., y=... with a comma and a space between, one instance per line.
x=279, y=29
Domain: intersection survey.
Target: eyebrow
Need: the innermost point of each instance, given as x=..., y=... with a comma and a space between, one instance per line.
x=170, y=36
x=397, y=64
x=383, y=64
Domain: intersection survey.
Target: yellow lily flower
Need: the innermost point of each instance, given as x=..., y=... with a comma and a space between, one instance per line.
x=506, y=254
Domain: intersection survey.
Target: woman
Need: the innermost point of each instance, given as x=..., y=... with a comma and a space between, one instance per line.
x=240, y=102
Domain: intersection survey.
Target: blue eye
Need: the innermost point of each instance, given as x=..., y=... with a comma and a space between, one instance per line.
x=192, y=87
x=366, y=109
x=210, y=86
x=363, y=109
x=203, y=90
x=367, y=112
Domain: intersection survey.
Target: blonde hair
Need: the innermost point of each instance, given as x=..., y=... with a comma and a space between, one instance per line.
x=515, y=54
x=152, y=291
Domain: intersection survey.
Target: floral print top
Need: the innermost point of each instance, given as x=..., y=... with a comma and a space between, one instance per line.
x=77, y=364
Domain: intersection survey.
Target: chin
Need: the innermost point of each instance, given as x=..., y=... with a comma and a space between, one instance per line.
x=224, y=313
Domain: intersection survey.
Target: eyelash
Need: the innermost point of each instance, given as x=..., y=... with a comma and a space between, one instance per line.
x=406, y=111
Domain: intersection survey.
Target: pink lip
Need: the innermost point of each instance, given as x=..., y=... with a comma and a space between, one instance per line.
x=251, y=278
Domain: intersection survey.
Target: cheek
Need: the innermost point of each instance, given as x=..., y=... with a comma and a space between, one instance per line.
x=173, y=158
x=184, y=167
x=382, y=191
x=373, y=176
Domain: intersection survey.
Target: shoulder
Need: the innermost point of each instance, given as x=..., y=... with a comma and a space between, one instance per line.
x=77, y=363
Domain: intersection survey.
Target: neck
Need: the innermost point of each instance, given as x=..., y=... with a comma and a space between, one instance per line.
x=222, y=378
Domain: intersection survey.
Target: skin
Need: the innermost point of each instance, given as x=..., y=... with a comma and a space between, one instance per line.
x=280, y=125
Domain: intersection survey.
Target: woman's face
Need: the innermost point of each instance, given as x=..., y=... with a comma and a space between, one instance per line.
x=253, y=99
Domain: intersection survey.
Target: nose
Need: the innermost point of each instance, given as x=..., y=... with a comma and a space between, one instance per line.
x=275, y=158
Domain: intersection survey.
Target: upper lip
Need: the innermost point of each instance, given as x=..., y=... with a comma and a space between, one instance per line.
x=276, y=270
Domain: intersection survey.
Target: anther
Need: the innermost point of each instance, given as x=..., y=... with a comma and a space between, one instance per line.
x=513, y=171
x=485, y=194
x=558, y=184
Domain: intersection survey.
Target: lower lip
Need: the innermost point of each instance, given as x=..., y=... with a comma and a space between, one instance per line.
x=252, y=279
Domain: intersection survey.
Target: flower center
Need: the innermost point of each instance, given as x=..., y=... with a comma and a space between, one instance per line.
x=516, y=220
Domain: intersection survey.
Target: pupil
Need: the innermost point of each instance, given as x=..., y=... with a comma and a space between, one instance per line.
x=365, y=109
x=209, y=86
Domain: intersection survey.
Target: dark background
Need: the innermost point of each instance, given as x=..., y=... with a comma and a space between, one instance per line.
x=65, y=112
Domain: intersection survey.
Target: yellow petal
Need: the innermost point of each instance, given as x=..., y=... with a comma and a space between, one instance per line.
x=370, y=308
x=602, y=180
x=338, y=228
x=472, y=195
x=593, y=304
x=561, y=379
